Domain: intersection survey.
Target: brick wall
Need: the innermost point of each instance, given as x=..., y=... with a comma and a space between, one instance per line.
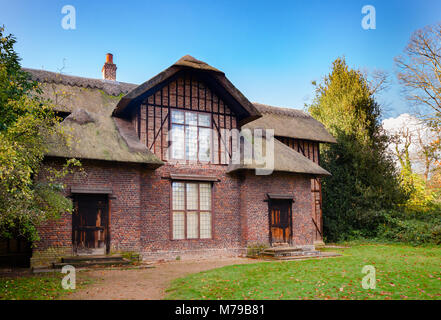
x=156, y=215
x=141, y=216
x=124, y=179
x=254, y=210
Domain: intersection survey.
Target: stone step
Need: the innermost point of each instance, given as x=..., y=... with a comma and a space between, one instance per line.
x=97, y=258
x=289, y=251
x=308, y=256
x=283, y=249
x=291, y=254
x=82, y=264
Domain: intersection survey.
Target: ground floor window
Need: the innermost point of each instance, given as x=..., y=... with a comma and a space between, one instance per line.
x=191, y=210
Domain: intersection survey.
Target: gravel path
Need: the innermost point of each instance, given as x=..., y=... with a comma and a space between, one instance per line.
x=143, y=284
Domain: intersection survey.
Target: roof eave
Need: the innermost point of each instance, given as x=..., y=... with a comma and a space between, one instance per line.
x=242, y=169
x=149, y=164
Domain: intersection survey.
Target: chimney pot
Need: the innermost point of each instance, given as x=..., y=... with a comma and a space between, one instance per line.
x=109, y=68
x=109, y=58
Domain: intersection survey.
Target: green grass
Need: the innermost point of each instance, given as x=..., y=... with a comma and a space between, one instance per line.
x=35, y=287
x=402, y=272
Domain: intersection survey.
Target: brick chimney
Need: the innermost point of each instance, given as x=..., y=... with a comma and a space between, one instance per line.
x=109, y=69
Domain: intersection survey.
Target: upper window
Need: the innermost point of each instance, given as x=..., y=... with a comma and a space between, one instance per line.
x=191, y=136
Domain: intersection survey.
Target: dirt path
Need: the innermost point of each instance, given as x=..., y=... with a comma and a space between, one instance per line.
x=143, y=284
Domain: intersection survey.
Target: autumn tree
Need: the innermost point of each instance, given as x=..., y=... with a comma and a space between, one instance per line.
x=419, y=72
x=420, y=69
x=26, y=122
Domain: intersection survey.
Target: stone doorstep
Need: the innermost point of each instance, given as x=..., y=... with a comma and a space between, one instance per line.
x=92, y=263
x=96, y=267
x=283, y=249
x=87, y=261
x=293, y=250
x=303, y=257
x=94, y=258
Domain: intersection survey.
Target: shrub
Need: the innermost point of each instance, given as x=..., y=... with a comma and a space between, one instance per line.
x=132, y=256
x=255, y=249
x=410, y=227
x=436, y=234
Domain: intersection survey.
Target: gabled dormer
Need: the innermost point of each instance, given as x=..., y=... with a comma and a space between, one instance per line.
x=194, y=103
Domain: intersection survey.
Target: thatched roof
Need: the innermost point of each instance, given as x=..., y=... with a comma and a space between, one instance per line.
x=98, y=128
x=291, y=123
x=285, y=160
x=91, y=130
x=113, y=88
x=243, y=108
x=99, y=138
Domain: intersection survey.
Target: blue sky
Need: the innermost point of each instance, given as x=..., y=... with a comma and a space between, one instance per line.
x=271, y=50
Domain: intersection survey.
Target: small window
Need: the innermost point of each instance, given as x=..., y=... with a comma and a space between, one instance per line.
x=191, y=210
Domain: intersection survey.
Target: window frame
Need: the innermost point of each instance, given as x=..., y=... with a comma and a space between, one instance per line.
x=186, y=211
x=186, y=126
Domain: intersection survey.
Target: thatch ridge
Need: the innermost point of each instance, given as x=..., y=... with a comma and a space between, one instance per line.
x=291, y=123
x=191, y=62
x=110, y=87
x=291, y=112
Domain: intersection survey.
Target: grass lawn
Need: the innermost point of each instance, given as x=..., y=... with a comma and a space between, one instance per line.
x=45, y=286
x=402, y=272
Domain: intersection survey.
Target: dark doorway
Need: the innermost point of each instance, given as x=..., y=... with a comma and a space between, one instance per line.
x=90, y=224
x=280, y=219
x=15, y=252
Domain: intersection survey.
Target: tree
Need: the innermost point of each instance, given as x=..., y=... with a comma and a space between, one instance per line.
x=420, y=74
x=364, y=179
x=26, y=122
x=420, y=68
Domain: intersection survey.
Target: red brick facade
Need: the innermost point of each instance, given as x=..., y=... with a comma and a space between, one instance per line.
x=141, y=211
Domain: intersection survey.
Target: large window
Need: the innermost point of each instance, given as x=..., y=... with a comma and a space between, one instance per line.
x=191, y=136
x=191, y=210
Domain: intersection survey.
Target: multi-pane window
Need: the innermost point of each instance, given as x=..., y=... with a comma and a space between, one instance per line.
x=191, y=136
x=191, y=210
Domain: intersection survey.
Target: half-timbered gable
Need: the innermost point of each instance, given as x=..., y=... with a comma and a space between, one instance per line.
x=192, y=107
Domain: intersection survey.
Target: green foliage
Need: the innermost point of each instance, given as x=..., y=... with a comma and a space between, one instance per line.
x=364, y=179
x=131, y=255
x=414, y=227
x=25, y=123
x=255, y=249
x=421, y=197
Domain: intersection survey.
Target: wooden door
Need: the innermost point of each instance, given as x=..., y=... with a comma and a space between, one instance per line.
x=280, y=221
x=90, y=224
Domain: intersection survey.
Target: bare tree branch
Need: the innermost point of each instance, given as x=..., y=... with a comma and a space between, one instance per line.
x=420, y=68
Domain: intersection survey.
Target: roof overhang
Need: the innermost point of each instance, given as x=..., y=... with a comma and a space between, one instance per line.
x=87, y=190
x=193, y=177
x=280, y=196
